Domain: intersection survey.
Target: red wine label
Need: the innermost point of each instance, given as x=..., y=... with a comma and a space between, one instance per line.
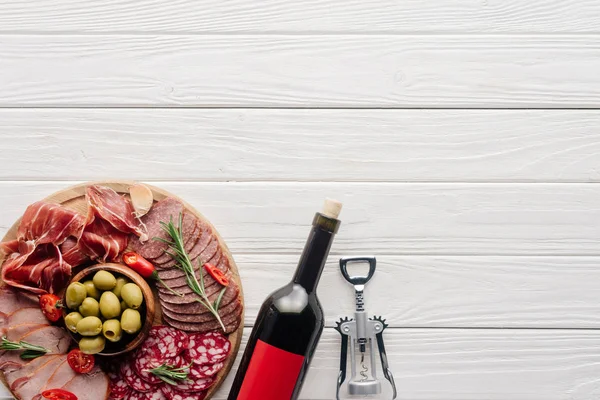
x=271, y=375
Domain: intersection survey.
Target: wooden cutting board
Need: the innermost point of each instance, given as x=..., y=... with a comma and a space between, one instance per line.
x=74, y=198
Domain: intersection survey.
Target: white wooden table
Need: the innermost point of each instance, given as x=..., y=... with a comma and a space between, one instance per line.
x=462, y=136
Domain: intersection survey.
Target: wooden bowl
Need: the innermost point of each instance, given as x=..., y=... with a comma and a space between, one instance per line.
x=128, y=342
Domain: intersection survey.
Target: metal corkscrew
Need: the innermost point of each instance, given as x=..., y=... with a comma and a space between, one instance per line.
x=362, y=332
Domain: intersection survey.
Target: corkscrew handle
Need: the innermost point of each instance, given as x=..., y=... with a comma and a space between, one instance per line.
x=358, y=280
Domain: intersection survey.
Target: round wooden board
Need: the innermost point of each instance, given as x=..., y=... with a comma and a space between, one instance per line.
x=74, y=198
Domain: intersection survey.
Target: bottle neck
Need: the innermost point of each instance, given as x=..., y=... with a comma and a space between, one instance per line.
x=315, y=252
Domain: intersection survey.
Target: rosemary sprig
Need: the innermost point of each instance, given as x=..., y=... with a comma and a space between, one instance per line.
x=183, y=262
x=31, y=351
x=169, y=374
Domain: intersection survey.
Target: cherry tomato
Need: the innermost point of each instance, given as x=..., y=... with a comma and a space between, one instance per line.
x=80, y=362
x=51, y=305
x=58, y=394
x=217, y=274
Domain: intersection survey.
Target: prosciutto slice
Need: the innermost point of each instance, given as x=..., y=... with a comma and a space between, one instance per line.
x=49, y=223
x=39, y=269
x=115, y=209
x=102, y=241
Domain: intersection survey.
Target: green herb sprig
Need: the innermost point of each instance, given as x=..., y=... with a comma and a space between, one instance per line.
x=30, y=352
x=170, y=374
x=179, y=254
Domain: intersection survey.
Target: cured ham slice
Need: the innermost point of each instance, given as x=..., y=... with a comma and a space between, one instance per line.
x=49, y=223
x=34, y=261
x=115, y=209
x=72, y=253
x=12, y=300
x=39, y=269
x=102, y=241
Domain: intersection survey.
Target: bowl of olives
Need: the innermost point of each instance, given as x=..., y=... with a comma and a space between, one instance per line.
x=108, y=309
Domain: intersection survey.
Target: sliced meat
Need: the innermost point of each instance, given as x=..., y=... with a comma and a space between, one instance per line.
x=173, y=394
x=18, y=377
x=11, y=361
x=231, y=322
x=12, y=300
x=46, y=223
x=72, y=252
x=119, y=389
x=190, y=227
x=207, y=348
x=133, y=379
x=92, y=386
x=26, y=387
x=205, y=371
x=181, y=283
x=17, y=332
x=115, y=209
x=168, y=341
x=62, y=375
x=145, y=361
x=157, y=394
x=212, y=292
x=53, y=338
x=102, y=241
x=29, y=315
x=36, y=268
x=162, y=211
x=202, y=245
x=196, y=385
x=173, y=273
x=204, y=315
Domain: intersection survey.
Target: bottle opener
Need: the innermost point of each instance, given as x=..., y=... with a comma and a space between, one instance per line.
x=362, y=332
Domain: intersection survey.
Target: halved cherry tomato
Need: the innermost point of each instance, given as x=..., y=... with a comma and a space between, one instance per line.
x=80, y=362
x=51, y=305
x=217, y=274
x=58, y=394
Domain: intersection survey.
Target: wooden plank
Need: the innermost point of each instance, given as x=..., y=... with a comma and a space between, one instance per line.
x=314, y=16
x=441, y=364
x=302, y=145
x=387, y=71
x=383, y=218
x=471, y=365
x=450, y=291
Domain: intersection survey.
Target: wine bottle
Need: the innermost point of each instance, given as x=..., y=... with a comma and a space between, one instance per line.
x=289, y=323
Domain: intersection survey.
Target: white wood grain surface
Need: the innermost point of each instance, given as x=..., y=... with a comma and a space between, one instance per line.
x=369, y=71
x=384, y=218
x=302, y=145
x=311, y=16
x=461, y=135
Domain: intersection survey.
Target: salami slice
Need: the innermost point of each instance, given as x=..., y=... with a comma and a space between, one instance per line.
x=173, y=394
x=133, y=379
x=157, y=394
x=166, y=340
x=205, y=371
x=146, y=360
x=133, y=395
x=194, y=385
x=208, y=348
x=118, y=387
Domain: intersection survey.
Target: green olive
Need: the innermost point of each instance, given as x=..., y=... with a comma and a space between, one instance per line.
x=72, y=319
x=92, y=291
x=121, y=281
x=89, y=308
x=89, y=326
x=131, y=321
x=75, y=295
x=111, y=329
x=92, y=345
x=104, y=280
x=132, y=294
x=110, y=307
